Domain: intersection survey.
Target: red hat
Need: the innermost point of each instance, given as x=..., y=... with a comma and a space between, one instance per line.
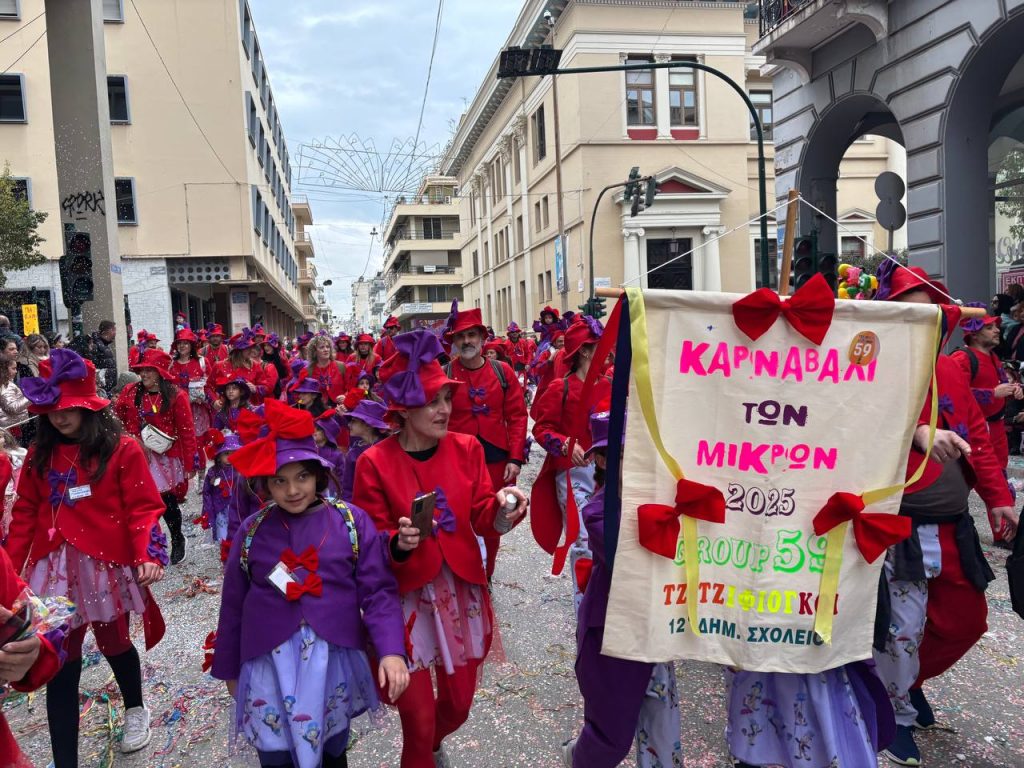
x=65, y=380
x=151, y=336
x=392, y=322
x=156, y=359
x=972, y=325
x=498, y=346
x=555, y=335
x=141, y=335
x=464, y=321
x=214, y=329
x=549, y=311
x=412, y=376
x=186, y=334
x=352, y=398
x=245, y=339
x=289, y=438
x=202, y=335
x=907, y=279
x=364, y=338
x=586, y=331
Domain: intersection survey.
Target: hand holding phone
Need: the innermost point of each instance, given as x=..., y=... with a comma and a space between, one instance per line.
x=423, y=513
x=14, y=626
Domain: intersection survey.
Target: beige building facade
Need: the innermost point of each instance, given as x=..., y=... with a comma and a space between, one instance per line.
x=206, y=222
x=687, y=128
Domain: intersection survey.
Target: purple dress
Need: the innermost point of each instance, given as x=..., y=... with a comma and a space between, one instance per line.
x=244, y=504
x=300, y=661
x=217, y=489
x=356, y=448
x=337, y=459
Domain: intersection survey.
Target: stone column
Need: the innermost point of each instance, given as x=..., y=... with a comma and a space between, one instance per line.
x=632, y=265
x=85, y=170
x=709, y=257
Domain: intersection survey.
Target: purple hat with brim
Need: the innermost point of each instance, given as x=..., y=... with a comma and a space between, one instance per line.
x=302, y=449
x=330, y=424
x=231, y=443
x=312, y=386
x=599, y=425
x=371, y=413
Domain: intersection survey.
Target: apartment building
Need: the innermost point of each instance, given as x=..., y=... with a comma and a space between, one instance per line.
x=422, y=261
x=206, y=225
x=368, y=304
x=687, y=128
x=315, y=312
x=943, y=80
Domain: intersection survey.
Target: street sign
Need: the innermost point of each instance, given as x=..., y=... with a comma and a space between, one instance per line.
x=29, y=319
x=889, y=186
x=1010, y=277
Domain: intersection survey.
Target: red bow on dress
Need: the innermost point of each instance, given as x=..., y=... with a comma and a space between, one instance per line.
x=873, y=531
x=309, y=559
x=208, y=646
x=659, y=524
x=225, y=548
x=809, y=311
x=312, y=586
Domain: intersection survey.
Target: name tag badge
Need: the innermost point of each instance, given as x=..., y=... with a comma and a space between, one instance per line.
x=79, y=492
x=216, y=482
x=281, y=577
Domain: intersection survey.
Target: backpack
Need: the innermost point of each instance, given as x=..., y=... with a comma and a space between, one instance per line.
x=971, y=358
x=496, y=367
x=250, y=533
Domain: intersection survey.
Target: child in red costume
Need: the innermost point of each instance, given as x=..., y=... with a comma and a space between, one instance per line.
x=441, y=580
x=241, y=365
x=85, y=527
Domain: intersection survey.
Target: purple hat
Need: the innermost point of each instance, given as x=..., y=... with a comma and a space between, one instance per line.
x=289, y=438
x=312, y=386
x=301, y=449
x=371, y=413
x=599, y=424
x=231, y=443
x=330, y=424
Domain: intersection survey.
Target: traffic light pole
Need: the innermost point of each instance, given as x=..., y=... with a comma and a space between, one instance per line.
x=761, y=176
x=593, y=219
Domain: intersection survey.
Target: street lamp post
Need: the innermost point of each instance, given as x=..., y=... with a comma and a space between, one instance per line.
x=519, y=62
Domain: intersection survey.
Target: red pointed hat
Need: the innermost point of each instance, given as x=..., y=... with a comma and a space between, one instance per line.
x=186, y=334
x=156, y=359
x=65, y=380
x=464, y=321
x=412, y=376
x=907, y=279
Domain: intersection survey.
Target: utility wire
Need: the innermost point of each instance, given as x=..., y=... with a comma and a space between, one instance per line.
x=22, y=28
x=426, y=87
x=181, y=96
x=24, y=53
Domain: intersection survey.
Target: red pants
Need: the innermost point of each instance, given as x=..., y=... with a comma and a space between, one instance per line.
x=957, y=613
x=112, y=638
x=497, y=472
x=1001, y=449
x=427, y=720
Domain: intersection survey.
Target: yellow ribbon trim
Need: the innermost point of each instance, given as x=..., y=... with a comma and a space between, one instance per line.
x=835, y=538
x=645, y=396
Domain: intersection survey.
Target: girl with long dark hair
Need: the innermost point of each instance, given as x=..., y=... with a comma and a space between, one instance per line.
x=85, y=527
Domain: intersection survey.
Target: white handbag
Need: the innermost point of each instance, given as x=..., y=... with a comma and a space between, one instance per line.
x=156, y=440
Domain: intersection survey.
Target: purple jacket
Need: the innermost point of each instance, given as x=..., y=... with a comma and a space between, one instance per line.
x=595, y=599
x=356, y=448
x=215, y=500
x=337, y=458
x=244, y=504
x=255, y=617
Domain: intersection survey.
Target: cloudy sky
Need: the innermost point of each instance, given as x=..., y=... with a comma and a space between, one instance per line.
x=340, y=68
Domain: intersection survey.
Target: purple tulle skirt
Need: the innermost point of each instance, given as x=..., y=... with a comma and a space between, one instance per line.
x=168, y=471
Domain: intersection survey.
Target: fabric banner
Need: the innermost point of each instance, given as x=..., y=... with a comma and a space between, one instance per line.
x=779, y=425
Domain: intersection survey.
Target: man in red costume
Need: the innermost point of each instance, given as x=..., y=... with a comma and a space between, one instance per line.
x=935, y=580
x=490, y=407
x=216, y=351
x=385, y=348
x=521, y=348
x=989, y=385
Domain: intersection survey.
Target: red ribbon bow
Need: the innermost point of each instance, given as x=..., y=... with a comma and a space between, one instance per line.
x=309, y=559
x=312, y=586
x=659, y=524
x=873, y=531
x=259, y=457
x=209, y=646
x=225, y=548
x=809, y=311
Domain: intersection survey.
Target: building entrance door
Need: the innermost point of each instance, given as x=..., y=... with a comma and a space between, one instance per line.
x=677, y=275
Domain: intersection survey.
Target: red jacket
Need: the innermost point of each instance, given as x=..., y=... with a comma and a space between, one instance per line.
x=333, y=380
x=481, y=408
x=521, y=351
x=196, y=369
x=176, y=421
x=46, y=665
x=384, y=348
x=369, y=364
x=959, y=412
x=387, y=480
x=256, y=375
x=112, y=524
x=215, y=356
x=983, y=384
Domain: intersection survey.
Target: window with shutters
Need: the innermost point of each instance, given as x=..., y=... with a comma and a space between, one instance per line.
x=21, y=189
x=9, y=9
x=537, y=131
x=113, y=10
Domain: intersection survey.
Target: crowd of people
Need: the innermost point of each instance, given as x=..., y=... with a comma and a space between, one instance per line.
x=358, y=490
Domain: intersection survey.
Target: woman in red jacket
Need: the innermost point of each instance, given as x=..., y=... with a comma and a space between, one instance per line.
x=325, y=370
x=85, y=527
x=243, y=363
x=190, y=372
x=558, y=415
x=441, y=579
x=156, y=412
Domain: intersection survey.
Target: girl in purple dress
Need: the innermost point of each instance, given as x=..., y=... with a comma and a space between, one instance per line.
x=366, y=425
x=308, y=584
x=218, y=487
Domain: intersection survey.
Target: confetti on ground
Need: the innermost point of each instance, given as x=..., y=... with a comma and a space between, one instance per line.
x=526, y=706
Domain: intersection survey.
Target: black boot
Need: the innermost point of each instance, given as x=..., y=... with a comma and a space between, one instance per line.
x=172, y=516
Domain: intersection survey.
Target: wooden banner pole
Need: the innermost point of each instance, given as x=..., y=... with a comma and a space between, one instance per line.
x=787, y=247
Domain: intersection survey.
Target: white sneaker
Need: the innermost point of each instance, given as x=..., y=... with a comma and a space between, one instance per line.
x=568, y=748
x=441, y=759
x=136, y=729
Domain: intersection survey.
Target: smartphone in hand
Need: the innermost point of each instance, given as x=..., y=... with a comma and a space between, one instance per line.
x=423, y=513
x=17, y=626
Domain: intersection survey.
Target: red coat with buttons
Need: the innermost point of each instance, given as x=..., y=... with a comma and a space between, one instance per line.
x=113, y=523
x=387, y=481
x=497, y=416
x=522, y=351
x=176, y=421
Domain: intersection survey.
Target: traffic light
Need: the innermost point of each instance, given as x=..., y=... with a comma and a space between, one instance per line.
x=650, y=192
x=76, y=270
x=805, y=260
x=522, y=62
x=587, y=307
x=632, y=184
x=828, y=266
x=597, y=310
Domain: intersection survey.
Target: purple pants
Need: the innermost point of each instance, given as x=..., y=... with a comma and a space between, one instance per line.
x=625, y=702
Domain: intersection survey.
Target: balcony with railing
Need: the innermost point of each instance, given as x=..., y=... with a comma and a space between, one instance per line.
x=304, y=243
x=307, y=276
x=409, y=276
x=792, y=30
x=300, y=207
